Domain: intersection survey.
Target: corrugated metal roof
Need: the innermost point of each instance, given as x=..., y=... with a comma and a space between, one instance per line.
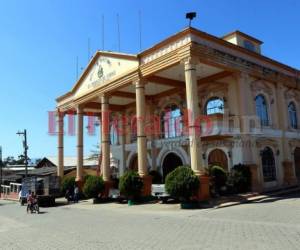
x=72, y=161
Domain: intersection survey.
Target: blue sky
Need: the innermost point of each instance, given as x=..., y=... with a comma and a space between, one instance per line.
x=39, y=42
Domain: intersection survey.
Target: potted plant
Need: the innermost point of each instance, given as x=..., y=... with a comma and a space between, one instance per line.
x=93, y=187
x=183, y=184
x=218, y=180
x=67, y=184
x=241, y=178
x=130, y=185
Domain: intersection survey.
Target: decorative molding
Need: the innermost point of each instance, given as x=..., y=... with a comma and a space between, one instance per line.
x=228, y=61
x=167, y=49
x=292, y=94
x=261, y=86
x=264, y=142
x=293, y=143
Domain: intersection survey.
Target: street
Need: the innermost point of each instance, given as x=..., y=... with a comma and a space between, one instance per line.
x=269, y=224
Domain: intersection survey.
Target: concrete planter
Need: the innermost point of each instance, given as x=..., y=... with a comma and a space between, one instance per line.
x=189, y=205
x=97, y=201
x=131, y=202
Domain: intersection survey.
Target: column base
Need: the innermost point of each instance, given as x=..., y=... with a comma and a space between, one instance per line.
x=147, y=185
x=107, y=186
x=203, y=193
x=256, y=185
x=289, y=178
x=79, y=183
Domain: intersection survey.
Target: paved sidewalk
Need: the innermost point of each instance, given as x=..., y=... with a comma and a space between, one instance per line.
x=266, y=224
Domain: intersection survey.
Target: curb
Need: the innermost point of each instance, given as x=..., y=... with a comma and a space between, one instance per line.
x=257, y=198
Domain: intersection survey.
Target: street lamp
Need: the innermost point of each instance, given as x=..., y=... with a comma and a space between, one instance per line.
x=25, y=146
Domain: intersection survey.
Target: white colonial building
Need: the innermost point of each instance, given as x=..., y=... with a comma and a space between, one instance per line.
x=245, y=104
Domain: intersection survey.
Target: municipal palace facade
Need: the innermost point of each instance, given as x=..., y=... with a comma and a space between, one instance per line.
x=192, y=99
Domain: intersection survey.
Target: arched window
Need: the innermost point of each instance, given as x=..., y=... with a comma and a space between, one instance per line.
x=171, y=122
x=262, y=110
x=113, y=135
x=268, y=164
x=133, y=129
x=292, y=115
x=214, y=105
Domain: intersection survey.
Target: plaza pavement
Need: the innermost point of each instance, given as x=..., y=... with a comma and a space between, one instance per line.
x=272, y=223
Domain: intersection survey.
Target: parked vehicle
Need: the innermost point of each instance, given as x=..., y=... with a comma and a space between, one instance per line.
x=46, y=189
x=159, y=191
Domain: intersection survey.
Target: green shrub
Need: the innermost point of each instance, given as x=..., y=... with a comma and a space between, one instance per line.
x=93, y=186
x=240, y=178
x=218, y=179
x=67, y=183
x=86, y=177
x=156, y=177
x=130, y=185
x=182, y=183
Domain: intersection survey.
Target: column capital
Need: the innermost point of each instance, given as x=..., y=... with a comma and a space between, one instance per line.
x=60, y=113
x=190, y=62
x=79, y=109
x=279, y=85
x=104, y=99
x=139, y=82
x=241, y=75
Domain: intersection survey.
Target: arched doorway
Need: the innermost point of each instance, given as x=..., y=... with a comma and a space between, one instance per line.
x=219, y=158
x=134, y=163
x=170, y=162
x=297, y=162
x=268, y=164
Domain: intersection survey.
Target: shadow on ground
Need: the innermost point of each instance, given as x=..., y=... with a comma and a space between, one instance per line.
x=274, y=198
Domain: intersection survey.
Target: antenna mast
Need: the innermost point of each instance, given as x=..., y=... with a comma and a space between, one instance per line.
x=119, y=38
x=77, y=72
x=89, y=49
x=140, y=29
x=102, y=32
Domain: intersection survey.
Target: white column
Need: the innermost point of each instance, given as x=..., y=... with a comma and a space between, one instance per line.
x=153, y=137
x=79, y=144
x=247, y=114
x=282, y=117
x=60, y=169
x=122, y=139
x=105, y=125
x=193, y=115
x=141, y=136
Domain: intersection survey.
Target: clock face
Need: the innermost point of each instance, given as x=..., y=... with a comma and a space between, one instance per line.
x=100, y=72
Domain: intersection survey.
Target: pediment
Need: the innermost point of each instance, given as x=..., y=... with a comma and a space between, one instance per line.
x=104, y=67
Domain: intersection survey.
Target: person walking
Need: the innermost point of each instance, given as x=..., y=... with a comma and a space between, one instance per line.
x=76, y=194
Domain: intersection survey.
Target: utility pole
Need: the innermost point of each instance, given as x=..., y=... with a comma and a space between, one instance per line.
x=25, y=146
x=1, y=165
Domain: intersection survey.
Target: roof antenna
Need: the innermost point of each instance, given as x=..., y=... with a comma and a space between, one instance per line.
x=119, y=38
x=102, y=32
x=77, y=71
x=140, y=29
x=190, y=16
x=89, y=49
